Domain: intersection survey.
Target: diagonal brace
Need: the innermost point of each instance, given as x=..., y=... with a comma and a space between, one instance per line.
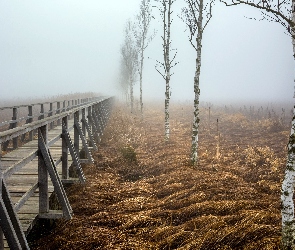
x=58, y=187
x=10, y=224
x=85, y=146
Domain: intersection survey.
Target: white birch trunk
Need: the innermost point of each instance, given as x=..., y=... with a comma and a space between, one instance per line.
x=196, y=121
x=167, y=99
x=140, y=81
x=288, y=223
x=287, y=211
x=131, y=96
x=167, y=67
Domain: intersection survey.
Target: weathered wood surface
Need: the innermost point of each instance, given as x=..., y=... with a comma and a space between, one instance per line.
x=21, y=181
x=29, y=174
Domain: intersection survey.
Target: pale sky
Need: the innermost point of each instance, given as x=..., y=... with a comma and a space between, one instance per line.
x=67, y=46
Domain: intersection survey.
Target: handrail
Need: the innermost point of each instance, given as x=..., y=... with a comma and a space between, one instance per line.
x=15, y=132
x=39, y=103
x=74, y=103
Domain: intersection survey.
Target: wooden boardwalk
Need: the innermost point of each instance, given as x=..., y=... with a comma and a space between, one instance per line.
x=33, y=171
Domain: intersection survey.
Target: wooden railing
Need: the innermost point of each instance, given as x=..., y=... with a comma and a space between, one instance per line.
x=88, y=119
x=36, y=111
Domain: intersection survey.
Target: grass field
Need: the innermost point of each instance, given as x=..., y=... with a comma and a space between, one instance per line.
x=143, y=193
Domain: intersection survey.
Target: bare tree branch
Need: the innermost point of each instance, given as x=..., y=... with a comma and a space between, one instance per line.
x=280, y=12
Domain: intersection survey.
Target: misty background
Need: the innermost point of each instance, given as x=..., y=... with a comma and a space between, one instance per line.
x=59, y=47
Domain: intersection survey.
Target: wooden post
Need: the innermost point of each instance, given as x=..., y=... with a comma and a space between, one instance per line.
x=14, y=125
x=101, y=116
x=64, y=106
x=30, y=119
x=83, y=125
x=90, y=122
x=43, y=175
x=58, y=112
x=50, y=114
x=103, y=111
x=97, y=114
x=76, y=133
x=65, y=150
x=73, y=105
x=41, y=116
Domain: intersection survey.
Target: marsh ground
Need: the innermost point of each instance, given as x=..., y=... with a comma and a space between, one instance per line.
x=143, y=193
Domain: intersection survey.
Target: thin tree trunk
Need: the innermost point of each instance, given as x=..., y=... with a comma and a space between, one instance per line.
x=288, y=222
x=140, y=81
x=196, y=121
x=167, y=67
x=131, y=96
x=167, y=98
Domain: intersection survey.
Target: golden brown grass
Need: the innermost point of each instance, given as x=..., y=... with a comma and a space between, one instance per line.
x=152, y=198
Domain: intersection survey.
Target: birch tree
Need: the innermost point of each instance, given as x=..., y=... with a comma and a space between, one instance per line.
x=143, y=21
x=130, y=59
x=282, y=12
x=164, y=68
x=196, y=16
x=124, y=80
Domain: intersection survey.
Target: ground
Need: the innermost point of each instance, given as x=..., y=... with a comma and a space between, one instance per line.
x=143, y=193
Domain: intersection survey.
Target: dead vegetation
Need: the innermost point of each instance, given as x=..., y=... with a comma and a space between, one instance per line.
x=143, y=193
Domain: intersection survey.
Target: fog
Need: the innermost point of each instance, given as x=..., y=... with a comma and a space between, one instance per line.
x=59, y=47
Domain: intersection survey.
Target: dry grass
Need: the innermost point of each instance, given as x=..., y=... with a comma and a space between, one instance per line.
x=152, y=198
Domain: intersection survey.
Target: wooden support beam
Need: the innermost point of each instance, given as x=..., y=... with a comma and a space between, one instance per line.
x=83, y=118
x=58, y=112
x=84, y=142
x=50, y=113
x=65, y=151
x=74, y=155
x=17, y=166
x=76, y=133
x=90, y=135
x=41, y=116
x=14, y=125
x=58, y=187
x=26, y=196
x=42, y=172
x=10, y=224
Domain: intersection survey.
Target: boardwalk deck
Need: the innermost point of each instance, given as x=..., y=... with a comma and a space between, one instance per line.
x=25, y=182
